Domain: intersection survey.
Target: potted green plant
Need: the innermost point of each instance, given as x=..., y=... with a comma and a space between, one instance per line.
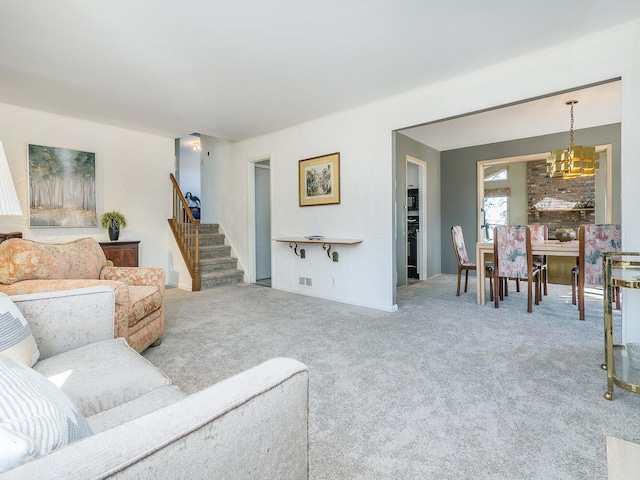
x=113, y=221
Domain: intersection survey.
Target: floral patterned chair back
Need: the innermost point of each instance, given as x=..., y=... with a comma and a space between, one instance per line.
x=539, y=233
x=512, y=258
x=598, y=239
x=458, y=244
x=510, y=250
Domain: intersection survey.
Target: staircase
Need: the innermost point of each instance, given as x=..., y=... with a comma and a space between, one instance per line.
x=217, y=266
x=202, y=246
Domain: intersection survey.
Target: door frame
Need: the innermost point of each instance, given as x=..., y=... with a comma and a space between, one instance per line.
x=422, y=215
x=251, y=231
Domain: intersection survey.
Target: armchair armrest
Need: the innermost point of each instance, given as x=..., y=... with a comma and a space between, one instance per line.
x=142, y=276
x=67, y=319
x=255, y=423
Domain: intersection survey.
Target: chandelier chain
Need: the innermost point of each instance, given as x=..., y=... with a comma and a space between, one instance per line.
x=571, y=129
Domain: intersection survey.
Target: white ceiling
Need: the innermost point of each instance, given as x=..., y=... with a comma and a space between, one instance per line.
x=598, y=105
x=240, y=69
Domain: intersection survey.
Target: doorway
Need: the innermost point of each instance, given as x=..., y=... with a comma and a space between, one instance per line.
x=416, y=219
x=188, y=163
x=262, y=225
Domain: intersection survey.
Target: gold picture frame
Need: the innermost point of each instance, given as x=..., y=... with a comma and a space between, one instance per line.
x=319, y=180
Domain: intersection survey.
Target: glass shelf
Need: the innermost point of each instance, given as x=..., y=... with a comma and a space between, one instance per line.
x=621, y=270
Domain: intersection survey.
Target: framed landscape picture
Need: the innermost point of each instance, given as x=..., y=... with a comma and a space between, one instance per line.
x=62, y=187
x=319, y=180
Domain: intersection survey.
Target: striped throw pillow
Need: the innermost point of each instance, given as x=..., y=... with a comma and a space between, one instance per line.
x=16, y=340
x=36, y=417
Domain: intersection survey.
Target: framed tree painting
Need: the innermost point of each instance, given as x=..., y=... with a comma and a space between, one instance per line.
x=62, y=187
x=319, y=180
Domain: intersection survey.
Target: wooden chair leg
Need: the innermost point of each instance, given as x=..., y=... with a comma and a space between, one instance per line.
x=545, y=271
x=466, y=280
x=518, y=285
x=458, y=288
x=574, y=287
x=581, y=300
x=616, y=293
x=490, y=275
x=529, y=295
x=497, y=294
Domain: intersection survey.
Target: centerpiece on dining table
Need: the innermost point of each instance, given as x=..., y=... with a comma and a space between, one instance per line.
x=565, y=234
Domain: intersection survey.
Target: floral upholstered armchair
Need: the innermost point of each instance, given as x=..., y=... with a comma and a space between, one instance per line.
x=27, y=266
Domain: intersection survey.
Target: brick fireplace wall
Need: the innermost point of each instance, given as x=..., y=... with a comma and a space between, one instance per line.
x=551, y=194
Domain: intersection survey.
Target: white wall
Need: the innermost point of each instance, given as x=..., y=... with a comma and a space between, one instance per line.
x=190, y=172
x=133, y=170
x=365, y=273
x=132, y=176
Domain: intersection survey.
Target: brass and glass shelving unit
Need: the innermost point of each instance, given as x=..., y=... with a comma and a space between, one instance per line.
x=621, y=270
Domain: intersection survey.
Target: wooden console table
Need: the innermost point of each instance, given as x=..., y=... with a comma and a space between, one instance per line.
x=327, y=244
x=7, y=236
x=122, y=254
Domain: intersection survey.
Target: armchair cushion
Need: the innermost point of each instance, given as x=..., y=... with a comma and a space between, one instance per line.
x=28, y=260
x=36, y=418
x=143, y=301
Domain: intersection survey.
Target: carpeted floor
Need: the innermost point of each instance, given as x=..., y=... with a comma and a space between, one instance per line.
x=442, y=388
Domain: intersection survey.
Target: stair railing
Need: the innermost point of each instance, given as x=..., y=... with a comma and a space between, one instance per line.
x=186, y=230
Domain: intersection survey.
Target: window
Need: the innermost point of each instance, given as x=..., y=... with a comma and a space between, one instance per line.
x=502, y=174
x=496, y=212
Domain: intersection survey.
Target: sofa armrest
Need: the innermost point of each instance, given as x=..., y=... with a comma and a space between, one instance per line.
x=141, y=276
x=255, y=423
x=67, y=319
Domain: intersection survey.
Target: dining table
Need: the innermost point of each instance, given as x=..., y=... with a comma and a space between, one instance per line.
x=547, y=247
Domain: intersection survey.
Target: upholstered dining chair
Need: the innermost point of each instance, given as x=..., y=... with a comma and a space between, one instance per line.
x=457, y=238
x=593, y=240
x=540, y=234
x=512, y=259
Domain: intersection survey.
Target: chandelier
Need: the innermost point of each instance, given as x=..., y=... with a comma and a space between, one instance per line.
x=576, y=161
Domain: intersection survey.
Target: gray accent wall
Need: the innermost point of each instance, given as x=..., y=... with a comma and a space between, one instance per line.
x=407, y=146
x=459, y=179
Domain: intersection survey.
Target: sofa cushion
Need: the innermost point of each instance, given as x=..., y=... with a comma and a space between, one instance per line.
x=102, y=375
x=16, y=339
x=22, y=259
x=36, y=417
x=147, y=403
x=143, y=301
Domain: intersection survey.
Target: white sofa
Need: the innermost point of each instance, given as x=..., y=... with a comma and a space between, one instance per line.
x=252, y=425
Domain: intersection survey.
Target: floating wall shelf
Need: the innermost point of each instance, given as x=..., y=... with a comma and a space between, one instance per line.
x=327, y=244
x=582, y=211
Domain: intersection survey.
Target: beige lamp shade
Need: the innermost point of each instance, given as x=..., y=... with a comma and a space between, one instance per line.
x=9, y=203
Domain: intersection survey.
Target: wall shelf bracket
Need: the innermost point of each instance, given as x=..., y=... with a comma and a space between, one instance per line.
x=332, y=255
x=294, y=247
x=327, y=244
